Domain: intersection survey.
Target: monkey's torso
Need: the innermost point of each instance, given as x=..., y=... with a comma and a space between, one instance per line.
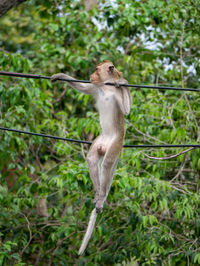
x=111, y=117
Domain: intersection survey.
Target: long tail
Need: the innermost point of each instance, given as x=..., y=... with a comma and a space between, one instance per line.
x=88, y=233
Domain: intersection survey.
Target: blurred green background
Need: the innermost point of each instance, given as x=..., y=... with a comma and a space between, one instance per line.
x=152, y=215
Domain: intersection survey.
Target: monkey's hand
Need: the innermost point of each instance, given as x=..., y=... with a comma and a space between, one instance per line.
x=56, y=77
x=120, y=82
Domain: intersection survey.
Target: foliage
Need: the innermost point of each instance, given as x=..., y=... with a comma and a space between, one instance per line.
x=152, y=215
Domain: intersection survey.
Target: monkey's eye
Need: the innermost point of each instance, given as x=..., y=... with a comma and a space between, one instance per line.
x=111, y=68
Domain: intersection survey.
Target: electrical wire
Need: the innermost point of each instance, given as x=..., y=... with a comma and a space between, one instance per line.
x=23, y=75
x=89, y=142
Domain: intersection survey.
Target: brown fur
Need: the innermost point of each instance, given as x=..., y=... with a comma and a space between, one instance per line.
x=100, y=72
x=103, y=62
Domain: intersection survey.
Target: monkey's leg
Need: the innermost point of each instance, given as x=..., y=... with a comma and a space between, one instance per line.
x=93, y=158
x=108, y=167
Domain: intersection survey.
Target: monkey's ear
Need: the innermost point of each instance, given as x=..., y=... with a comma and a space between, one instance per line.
x=120, y=74
x=126, y=100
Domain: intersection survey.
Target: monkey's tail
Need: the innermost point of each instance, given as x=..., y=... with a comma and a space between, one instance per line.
x=88, y=233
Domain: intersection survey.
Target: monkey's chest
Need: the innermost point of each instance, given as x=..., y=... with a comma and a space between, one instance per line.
x=106, y=104
x=107, y=112
x=105, y=98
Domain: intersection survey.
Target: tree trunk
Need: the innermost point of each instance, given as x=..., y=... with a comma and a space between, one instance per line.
x=6, y=5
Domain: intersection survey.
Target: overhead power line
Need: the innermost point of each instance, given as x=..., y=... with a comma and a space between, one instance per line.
x=89, y=142
x=23, y=75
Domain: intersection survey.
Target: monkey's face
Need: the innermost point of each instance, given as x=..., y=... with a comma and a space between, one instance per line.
x=103, y=72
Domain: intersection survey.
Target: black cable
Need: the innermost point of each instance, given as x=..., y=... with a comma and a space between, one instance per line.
x=89, y=142
x=44, y=135
x=22, y=75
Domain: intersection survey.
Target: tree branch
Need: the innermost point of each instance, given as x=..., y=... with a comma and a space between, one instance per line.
x=6, y=5
x=169, y=157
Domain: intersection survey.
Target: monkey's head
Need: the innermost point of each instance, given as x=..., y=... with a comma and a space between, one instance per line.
x=105, y=71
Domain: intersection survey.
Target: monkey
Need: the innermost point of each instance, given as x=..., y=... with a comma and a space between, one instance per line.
x=113, y=102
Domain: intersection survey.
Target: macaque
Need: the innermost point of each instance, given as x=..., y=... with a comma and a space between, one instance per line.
x=113, y=102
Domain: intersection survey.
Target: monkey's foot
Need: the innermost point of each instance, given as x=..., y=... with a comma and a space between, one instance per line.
x=99, y=205
x=99, y=210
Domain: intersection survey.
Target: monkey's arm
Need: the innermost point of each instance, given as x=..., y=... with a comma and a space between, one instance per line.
x=85, y=88
x=123, y=96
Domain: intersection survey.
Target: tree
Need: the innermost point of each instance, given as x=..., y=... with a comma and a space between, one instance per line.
x=6, y=5
x=152, y=215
